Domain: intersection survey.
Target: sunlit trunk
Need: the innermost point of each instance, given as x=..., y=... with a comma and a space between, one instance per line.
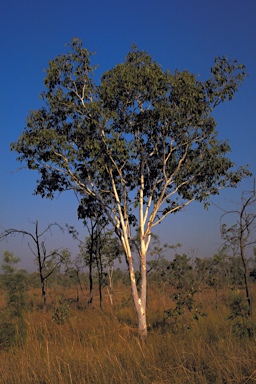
x=139, y=300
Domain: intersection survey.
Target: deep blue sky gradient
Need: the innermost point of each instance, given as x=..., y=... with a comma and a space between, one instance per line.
x=182, y=34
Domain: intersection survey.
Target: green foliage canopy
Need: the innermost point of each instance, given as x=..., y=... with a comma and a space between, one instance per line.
x=143, y=137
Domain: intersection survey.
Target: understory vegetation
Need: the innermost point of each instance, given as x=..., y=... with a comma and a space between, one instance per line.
x=199, y=330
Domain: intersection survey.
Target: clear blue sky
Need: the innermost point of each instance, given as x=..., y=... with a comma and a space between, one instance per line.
x=183, y=34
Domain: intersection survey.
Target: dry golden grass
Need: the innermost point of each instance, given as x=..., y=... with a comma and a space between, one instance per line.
x=103, y=347
x=2, y=299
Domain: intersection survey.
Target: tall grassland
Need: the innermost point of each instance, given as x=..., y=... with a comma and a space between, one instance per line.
x=103, y=347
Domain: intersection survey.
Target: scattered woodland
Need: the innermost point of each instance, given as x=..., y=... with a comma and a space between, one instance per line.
x=139, y=146
x=82, y=327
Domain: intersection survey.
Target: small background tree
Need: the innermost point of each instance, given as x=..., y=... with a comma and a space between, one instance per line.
x=47, y=262
x=12, y=321
x=241, y=236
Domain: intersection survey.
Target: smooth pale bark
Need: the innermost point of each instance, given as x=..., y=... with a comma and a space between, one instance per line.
x=139, y=300
x=143, y=299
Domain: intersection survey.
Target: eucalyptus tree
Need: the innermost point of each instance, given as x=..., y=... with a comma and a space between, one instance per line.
x=100, y=249
x=100, y=253
x=140, y=145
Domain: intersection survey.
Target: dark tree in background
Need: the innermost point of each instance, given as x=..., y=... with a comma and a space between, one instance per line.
x=240, y=237
x=139, y=146
x=47, y=261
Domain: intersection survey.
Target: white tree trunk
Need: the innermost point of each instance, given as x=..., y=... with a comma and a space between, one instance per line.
x=139, y=299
